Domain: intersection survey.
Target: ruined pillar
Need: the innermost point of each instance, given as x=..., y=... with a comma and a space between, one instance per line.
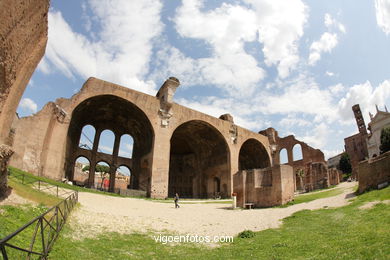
x=92, y=166
x=5, y=154
x=113, y=165
x=290, y=155
x=162, y=142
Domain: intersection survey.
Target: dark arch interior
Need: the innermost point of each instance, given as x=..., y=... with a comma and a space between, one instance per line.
x=253, y=156
x=199, y=154
x=121, y=117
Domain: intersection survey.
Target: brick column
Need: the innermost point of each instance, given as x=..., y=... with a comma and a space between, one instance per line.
x=91, y=178
x=113, y=166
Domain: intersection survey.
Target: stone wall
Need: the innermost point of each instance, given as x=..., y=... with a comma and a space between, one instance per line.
x=316, y=177
x=335, y=176
x=311, y=157
x=264, y=187
x=373, y=172
x=23, y=37
x=47, y=142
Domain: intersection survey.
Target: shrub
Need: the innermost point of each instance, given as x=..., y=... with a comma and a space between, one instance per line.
x=246, y=234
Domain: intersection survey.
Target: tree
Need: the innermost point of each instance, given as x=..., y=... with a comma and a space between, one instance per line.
x=98, y=168
x=385, y=140
x=345, y=163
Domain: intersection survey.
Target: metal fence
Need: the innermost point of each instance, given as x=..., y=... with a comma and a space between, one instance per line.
x=41, y=232
x=36, y=183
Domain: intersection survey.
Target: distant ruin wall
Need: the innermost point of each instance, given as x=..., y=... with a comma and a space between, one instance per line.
x=335, y=176
x=316, y=176
x=264, y=187
x=373, y=172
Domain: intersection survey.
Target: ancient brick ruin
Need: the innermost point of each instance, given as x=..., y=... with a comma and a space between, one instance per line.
x=374, y=173
x=356, y=145
x=23, y=37
x=310, y=170
x=176, y=149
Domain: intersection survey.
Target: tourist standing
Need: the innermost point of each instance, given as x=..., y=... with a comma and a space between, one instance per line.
x=176, y=199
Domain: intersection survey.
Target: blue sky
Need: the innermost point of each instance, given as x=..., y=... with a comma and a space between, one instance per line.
x=297, y=66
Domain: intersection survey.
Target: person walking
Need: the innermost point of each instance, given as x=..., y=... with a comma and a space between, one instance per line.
x=176, y=199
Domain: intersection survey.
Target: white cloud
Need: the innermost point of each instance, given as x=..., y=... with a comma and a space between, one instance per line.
x=366, y=96
x=214, y=106
x=105, y=149
x=326, y=43
x=122, y=51
x=44, y=67
x=280, y=27
x=331, y=22
x=329, y=73
x=28, y=105
x=302, y=95
x=294, y=121
x=276, y=25
x=382, y=8
x=337, y=89
x=317, y=137
x=228, y=28
x=328, y=40
x=330, y=153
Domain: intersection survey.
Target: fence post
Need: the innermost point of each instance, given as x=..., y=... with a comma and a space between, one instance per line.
x=4, y=253
x=57, y=190
x=43, y=239
x=39, y=185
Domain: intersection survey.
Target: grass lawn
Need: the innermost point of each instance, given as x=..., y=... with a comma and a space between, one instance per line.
x=341, y=233
x=30, y=177
x=312, y=196
x=14, y=217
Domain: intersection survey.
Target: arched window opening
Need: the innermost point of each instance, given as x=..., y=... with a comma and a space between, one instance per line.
x=297, y=152
x=102, y=176
x=87, y=136
x=81, y=171
x=283, y=156
x=126, y=146
x=122, y=178
x=198, y=154
x=106, y=142
x=253, y=155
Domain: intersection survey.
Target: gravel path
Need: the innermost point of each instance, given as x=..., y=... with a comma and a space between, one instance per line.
x=14, y=199
x=100, y=213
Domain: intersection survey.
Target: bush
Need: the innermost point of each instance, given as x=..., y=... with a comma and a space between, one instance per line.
x=246, y=234
x=385, y=140
x=345, y=163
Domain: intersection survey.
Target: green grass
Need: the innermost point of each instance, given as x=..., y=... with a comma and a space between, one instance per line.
x=16, y=174
x=28, y=192
x=13, y=217
x=30, y=177
x=341, y=233
x=302, y=198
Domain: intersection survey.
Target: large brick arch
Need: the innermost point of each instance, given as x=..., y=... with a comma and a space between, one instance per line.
x=253, y=155
x=199, y=164
x=109, y=112
x=51, y=153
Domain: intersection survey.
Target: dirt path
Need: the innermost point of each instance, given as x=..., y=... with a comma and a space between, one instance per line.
x=100, y=213
x=14, y=199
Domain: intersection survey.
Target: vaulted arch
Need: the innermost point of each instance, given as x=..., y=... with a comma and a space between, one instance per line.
x=253, y=155
x=199, y=155
x=120, y=117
